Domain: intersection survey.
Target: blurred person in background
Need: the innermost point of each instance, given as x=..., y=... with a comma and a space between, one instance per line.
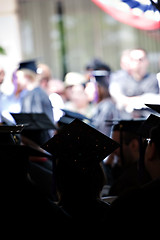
x=13, y=102
x=36, y=100
x=2, y=76
x=76, y=98
x=104, y=106
x=71, y=79
x=44, y=75
x=79, y=101
x=135, y=87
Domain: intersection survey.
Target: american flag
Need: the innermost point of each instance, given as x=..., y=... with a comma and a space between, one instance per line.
x=141, y=14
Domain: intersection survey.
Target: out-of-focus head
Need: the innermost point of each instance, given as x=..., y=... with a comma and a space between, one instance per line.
x=74, y=78
x=125, y=60
x=138, y=63
x=2, y=74
x=96, y=65
x=27, y=73
x=55, y=86
x=44, y=74
x=71, y=79
x=19, y=81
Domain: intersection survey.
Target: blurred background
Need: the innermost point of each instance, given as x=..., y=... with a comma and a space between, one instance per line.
x=66, y=35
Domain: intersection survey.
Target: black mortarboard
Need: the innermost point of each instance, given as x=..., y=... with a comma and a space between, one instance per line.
x=148, y=124
x=34, y=121
x=79, y=144
x=155, y=107
x=69, y=116
x=131, y=125
x=30, y=65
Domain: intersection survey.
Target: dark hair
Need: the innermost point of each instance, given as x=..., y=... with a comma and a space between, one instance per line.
x=97, y=64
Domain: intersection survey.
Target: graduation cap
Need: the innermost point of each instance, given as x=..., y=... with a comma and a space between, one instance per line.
x=37, y=126
x=131, y=125
x=126, y=125
x=97, y=64
x=101, y=77
x=155, y=107
x=148, y=124
x=80, y=145
x=30, y=65
x=69, y=116
x=34, y=121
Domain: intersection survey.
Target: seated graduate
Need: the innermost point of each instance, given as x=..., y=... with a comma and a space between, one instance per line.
x=141, y=206
x=36, y=100
x=78, y=150
x=122, y=166
x=105, y=108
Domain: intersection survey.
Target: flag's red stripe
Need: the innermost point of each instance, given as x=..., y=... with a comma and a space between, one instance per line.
x=140, y=22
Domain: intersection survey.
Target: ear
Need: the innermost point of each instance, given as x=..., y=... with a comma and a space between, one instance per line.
x=151, y=151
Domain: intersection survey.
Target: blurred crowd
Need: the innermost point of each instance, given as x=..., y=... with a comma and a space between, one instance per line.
x=99, y=93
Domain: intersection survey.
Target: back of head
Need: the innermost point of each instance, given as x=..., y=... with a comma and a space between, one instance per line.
x=79, y=183
x=28, y=71
x=97, y=64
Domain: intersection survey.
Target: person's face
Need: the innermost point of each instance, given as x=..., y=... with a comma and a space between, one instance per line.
x=21, y=81
x=91, y=91
x=79, y=97
x=138, y=62
x=130, y=151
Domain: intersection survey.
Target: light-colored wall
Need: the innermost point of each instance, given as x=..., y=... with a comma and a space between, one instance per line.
x=9, y=40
